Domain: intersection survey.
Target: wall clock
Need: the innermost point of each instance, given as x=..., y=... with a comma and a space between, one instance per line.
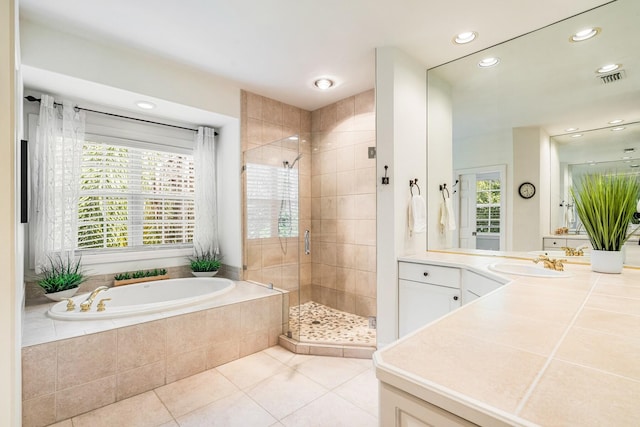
x=526, y=190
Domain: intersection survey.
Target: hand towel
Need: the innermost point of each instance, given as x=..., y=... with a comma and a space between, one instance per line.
x=569, y=216
x=417, y=214
x=451, y=220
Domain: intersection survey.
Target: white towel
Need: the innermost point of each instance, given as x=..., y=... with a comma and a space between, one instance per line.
x=417, y=214
x=447, y=220
x=569, y=216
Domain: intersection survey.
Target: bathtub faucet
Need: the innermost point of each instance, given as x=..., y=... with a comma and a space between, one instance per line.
x=86, y=305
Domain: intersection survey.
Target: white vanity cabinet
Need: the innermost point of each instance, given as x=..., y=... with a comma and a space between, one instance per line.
x=426, y=292
x=556, y=243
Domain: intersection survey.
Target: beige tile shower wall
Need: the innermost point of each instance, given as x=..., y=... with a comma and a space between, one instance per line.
x=66, y=378
x=343, y=205
x=273, y=260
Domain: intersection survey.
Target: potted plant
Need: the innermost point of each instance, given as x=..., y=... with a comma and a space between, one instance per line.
x=205, y=264
x=139, y=276
x=61, y=278
x=605, y=204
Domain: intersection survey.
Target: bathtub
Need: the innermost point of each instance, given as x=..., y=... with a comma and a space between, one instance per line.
x=147, y=297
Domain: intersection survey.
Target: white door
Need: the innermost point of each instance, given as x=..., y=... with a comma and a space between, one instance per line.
x=467, y=203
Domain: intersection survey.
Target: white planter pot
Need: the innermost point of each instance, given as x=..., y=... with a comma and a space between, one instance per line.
x=204, y=273
x=59, y=296
x=607, y=261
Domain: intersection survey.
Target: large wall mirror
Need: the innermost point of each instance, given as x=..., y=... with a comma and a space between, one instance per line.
x=546, y=81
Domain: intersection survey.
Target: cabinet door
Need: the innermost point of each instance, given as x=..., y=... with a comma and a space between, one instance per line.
x=476, y=285
x=421, y=303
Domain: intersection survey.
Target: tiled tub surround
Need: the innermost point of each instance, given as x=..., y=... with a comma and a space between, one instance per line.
x=69, y=368
x=537, y=351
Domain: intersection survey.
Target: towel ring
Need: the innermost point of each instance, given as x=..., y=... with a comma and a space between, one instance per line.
x=413, y=182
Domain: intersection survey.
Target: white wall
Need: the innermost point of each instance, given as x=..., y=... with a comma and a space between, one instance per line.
x=531, y=157
x=439, y=159
x=62, y=63
x=401, y=140
x=10, y=323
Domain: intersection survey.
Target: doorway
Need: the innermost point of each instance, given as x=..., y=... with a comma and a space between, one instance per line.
x=480, y=208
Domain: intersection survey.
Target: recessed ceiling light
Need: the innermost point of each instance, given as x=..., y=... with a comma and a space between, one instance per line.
x=635, y=165
x=146, y=105
x=466, y=37
x=608, y=68
x=323, y=83
x=576, y=135
x=571, y=129
x=626, y=157
x=616, y=121
x=585, y=34
x=488, y=62
x=293, y=138
x=619, y=128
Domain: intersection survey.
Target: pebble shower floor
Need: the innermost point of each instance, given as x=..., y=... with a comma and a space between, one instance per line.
x=322, y=324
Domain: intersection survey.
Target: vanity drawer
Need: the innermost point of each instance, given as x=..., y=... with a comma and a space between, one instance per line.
x=427, y=273
x=552, y=243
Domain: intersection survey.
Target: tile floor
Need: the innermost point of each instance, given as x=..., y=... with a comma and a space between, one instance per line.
x=326, y=325
x=271, y=388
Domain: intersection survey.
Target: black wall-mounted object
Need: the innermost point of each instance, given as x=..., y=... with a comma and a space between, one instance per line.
x=24, y=181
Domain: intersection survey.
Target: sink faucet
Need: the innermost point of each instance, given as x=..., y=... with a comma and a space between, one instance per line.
x=568, y=251
x=550, y=263
x=86, y=305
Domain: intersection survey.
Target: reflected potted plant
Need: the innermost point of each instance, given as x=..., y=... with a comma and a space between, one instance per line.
x=62, y=277
x=605, y=204
x=205, y=264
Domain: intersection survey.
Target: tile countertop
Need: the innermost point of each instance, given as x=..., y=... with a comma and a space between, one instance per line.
x=537, y=351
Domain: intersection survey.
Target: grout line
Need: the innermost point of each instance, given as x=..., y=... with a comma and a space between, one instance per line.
x=542, y=371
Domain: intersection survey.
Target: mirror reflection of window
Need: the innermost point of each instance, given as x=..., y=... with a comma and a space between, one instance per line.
x=488, y=211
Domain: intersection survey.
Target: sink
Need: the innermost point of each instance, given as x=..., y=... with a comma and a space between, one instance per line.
x=520, y=269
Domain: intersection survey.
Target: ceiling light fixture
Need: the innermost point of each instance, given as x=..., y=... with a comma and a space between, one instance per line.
x=635, y=165
x=619, y=128
x=576, y=135
x=465, y=37
x=488, y=62
x=626, y=157
x=571, y=129
x=608, y=68
x=146, y=105
x=585, y=34
x=323, y=83
x=616, y=121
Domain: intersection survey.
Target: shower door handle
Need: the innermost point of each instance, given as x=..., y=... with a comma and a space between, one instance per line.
x=307, y=242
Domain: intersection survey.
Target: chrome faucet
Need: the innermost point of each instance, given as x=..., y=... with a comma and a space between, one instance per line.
x=86, y=305
x=550, y=263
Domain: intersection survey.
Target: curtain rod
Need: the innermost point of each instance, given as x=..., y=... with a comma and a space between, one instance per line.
x=34, y=99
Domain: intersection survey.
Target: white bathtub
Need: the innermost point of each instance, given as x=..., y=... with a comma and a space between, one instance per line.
x=148, y=297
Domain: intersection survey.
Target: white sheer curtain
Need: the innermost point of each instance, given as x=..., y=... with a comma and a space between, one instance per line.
x=55, y=180
x=205, y=236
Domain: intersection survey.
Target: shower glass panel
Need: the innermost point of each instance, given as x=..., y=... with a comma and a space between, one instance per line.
x=273, y=237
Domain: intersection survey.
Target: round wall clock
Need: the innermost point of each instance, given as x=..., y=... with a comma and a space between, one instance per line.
x=527, y=190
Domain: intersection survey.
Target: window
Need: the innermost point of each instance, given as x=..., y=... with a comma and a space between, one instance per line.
x=488, y=205
x=272, y=201
x=133, y=197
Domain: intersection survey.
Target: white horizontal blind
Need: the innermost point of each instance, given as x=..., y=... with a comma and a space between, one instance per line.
x=272, y=201
x=132, y=197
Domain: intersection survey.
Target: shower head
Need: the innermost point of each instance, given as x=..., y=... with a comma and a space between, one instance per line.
x=291, y=165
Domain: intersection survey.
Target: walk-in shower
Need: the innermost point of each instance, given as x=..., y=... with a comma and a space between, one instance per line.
x=287, y=242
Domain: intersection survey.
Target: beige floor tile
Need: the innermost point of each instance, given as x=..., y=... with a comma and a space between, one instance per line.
x=595, y=398
x=285, y=392
x=330, y=372
x=236, y=410
x=127, y=413
x=195, y=392
x=362, y=391
x=250, y=370
x=611, y=353
x=279, y=353
x=330, y=410
x=169, y=424
x=65, y=423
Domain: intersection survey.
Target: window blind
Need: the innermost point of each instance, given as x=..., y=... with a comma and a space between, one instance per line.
x=133, y=197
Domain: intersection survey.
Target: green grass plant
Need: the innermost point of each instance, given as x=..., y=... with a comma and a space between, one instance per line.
x=61, y=274
x=140, y=274
x=605, y=204
x=205, y=261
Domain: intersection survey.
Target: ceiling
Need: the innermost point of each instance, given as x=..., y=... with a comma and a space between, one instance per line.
x=277, y=48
